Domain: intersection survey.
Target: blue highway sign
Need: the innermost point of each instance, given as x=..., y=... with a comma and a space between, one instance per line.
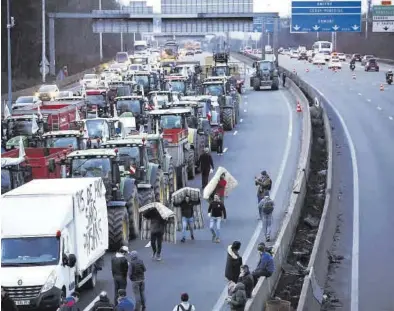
x=326, y=16
x=258, y=24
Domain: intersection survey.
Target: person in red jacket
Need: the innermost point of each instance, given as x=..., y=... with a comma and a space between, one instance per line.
x=221, y=187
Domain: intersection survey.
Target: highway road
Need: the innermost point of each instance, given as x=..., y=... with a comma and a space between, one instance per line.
x=364, y=115
x=267, y=138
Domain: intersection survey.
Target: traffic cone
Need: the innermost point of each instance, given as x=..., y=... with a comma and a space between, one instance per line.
x=299, y=109
x=381, y=87
x=354, y=76
x=294, y=71
x=307, y=70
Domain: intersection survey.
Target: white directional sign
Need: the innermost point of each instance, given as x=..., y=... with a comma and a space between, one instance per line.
x=46, y=62
x=383, y=18
x=45, y=68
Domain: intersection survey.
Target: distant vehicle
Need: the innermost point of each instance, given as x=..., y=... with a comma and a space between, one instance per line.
x=47, y=92
x=357, y=57
x=302, y=55
x=371, y=64
x=319, y=59
x=23, y=101
x=65, y=94
x=293, y=54
x=335, y=63
x=140, y=47
x=189, y=52
x=122, y=57
x=90, y=80
x=248, y=50
x=322, y=46
x=365, y=59
x=327, y=55
x=342, y=57
x=301, y=49
x=198, y=51
x=256, y=51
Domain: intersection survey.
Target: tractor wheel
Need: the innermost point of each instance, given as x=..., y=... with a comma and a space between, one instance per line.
x=134, y=215
x=256, y=84
x=191, y=165
x=213, y=144
x=227, y=120
x=145, y=196
x=118, y=228
x=159, y=188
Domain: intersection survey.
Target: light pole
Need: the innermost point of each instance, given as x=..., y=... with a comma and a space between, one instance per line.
x=10, y=24
x=101, y=37
x=43, y=63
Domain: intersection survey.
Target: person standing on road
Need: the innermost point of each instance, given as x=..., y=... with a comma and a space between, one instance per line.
x=266, y=208
x=124, y=303
x=221, y=187
x=137, y=277
x=103, y=304
x=217, y=212
x=265, y=266
x=233, y=262
x=120, y=267
x=70, y=303
x=185, y=305
x=206, y=164
x=238, y=299
x=284, y=78
x=220, y=138
x=264, y=183
x=247, y=279
x=157, y=227
x=187, y=212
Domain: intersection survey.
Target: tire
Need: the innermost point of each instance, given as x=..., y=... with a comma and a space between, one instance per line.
x=256, y=84
x=118, y=228
x=191, y=165
x=133, y=210
x=145, y=196
x=228, y=122
x=159, y=188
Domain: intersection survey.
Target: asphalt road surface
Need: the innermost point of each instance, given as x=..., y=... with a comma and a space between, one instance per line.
x=267, y=138
x=364, y=280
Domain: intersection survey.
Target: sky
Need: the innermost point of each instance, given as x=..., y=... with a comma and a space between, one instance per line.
x=281, y=6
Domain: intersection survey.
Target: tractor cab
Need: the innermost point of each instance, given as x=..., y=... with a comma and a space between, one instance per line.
x=96, y=103
x=162, y=99
x=140, y=60
x=65, y=139
x=216, y=86
x=123, y=88
x=266, y=75
x=176, y=83
x=14, y=173
x=131, y=106
x=171, y=122
x=145, y=79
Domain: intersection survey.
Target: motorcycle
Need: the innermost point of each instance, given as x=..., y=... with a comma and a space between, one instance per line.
x=352, y=67
x=389, y=80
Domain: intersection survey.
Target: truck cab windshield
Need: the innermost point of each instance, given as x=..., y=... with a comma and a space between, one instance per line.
x=95, y=99
x=221, y=71
x=60, y=142
x=142, y=80
x=171, y=122
x=177, y=86
x=95, y=128
x=30, y=251
x=93, y=167
x=128, y=105
x=129, y=156
x=21, y=127
x=266, y=66
x=214, y=89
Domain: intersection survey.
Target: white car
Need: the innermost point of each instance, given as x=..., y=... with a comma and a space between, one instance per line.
x=335, y=63
x=293, y=54
x=23, y=102
x=342, y=57
x=64, y=94
x=319, y=59
x=136, y=67
x=90, y=81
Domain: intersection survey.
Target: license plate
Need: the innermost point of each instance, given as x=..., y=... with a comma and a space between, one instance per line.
x=22, y=302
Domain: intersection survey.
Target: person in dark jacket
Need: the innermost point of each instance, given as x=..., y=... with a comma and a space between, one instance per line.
x=265, y=266
x=6, y=302
x=103, y=304
x=266, y=208
x=238, y=299
x=217, y=213
x=264, y=183
x=124, y=303
x=137, y=277
x=120, y=267
x=206, y=164
x=220, y=137
x=233, y=262
x=70, y=303
x=246, y=278
x=187, y=212
x=157, y=227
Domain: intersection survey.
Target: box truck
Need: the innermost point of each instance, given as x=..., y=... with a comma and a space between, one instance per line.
x=54, y=233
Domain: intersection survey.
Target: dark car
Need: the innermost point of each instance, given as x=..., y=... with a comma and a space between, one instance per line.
x=198, y=51
x=357, y=57
x=371, y=64
x=189, y=53
x=302, y=56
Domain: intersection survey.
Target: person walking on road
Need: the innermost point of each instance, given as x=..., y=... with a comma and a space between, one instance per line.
x=266, y=208
x=265, y=266
x=187, y=212
x=206, y=164
x=120, y=267
x=216, y=212
x=284, y=78
x=185, y=305
x=247, y=279
x=70, y=303
x=157, y=227
x=137, y=277
x=124, y=303
x=220, y=137
x=233, y=262
x=103, y=304
x=264, y=183
x=221, y=187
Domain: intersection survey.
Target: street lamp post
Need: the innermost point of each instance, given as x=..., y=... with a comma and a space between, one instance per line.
x=43, y=64
x=10, y=24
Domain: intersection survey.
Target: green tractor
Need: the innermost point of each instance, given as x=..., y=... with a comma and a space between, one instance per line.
x=266, y=75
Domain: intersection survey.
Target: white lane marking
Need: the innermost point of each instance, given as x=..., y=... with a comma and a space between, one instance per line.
x=368, y=100
x=378, y=108
x=225, y=150
x=235, y=133
x=351, y=89
x=148, y=245
x=241, y=120
x=256, y=234
x=246, y=103
x=359, y=94
x=245, y=96
x=245, y=110
x=390, y=117
x=356, y=212
x=90, y=305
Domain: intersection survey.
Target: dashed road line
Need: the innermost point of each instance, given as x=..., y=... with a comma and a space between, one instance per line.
x=148, y=245
x=245, y=110
x=225, y=150
x=241, y=120
x=359, y=94
x=378, y=108
x=235, y=133
x=391, y=118
x=368, y=100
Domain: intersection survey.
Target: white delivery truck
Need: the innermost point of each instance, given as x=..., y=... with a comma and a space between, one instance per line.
x=53, y=234
x=141, y=48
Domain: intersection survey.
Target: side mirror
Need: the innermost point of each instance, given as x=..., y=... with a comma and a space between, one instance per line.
x=51, y=165
x=72, y=260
